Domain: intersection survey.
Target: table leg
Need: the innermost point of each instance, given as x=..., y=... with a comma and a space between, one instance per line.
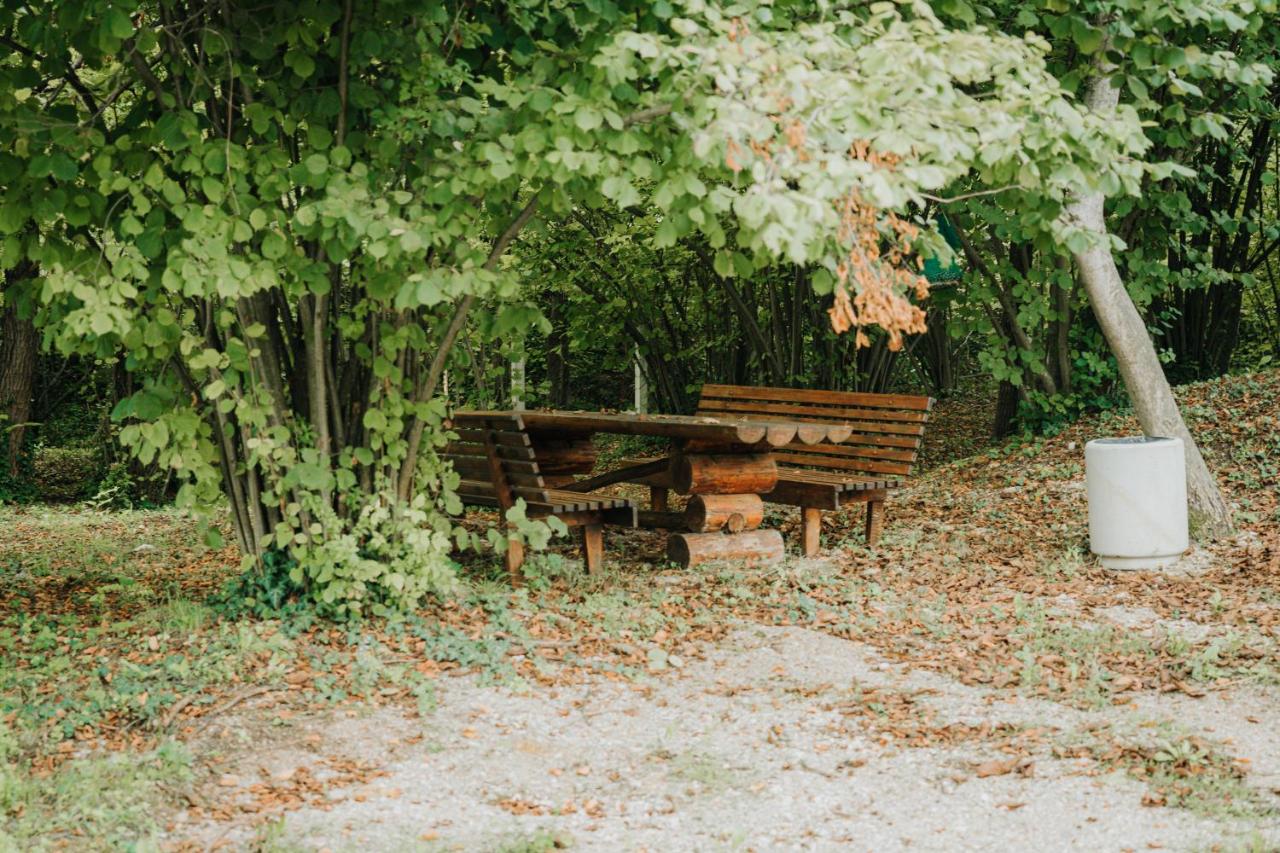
x=658, y=498
x=810, y=530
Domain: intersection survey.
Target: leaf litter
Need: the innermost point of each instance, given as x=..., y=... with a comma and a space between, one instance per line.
x=982, y=577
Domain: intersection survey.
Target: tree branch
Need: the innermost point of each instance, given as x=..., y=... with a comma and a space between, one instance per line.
x=647, y=114
x=427, y=389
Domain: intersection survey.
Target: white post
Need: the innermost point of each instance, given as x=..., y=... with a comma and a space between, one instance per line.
x=642, y=386
x=517, y=384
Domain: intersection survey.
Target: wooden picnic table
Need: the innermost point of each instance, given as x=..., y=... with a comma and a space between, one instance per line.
x=726, y=465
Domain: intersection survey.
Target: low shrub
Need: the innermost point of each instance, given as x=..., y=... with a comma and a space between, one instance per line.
x=66, y=473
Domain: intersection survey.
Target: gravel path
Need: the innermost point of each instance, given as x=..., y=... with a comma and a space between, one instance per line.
x=752, y=749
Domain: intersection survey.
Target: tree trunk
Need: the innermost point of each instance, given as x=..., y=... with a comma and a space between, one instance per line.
x=558, y=352
x=19, y=344
x=1006, y=413
x=1127, y=336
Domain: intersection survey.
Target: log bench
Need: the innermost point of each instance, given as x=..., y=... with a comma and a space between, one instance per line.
x=886, y=431
x=498, y=464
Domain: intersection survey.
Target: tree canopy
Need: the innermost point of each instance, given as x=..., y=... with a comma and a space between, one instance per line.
x=281, y=219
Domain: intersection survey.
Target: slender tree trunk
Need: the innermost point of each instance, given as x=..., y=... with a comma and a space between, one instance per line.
x=19, y=345
x=558, y=351
x=1006, y=413
x=1127, y=336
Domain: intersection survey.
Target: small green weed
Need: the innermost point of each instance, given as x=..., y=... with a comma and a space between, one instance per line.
x=540, y=841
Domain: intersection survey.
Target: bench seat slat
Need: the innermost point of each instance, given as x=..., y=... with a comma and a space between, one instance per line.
x=541, y=501
x=850, y=482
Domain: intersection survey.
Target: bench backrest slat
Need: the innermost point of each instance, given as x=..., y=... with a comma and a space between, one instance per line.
x=512, y=471
x=887, y=428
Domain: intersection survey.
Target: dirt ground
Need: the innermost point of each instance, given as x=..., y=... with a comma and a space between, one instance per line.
x=761, y=745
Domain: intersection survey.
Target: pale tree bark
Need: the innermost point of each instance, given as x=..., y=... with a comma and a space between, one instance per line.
x=1126, y=334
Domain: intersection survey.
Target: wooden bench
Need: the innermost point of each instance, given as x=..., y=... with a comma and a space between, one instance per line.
x=498, y=465
x=887, y=431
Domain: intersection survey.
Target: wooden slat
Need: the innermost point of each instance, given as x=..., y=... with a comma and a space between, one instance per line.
x=533, y=495
x=471, y=467
x=805, y=395
x=734, y=408
x=558, y=496
x=542, y=501
x=796, y=493
x=847, y=464
x=825, y=495
x=875, y=439
x=735, y=430
x=507, y=439
x=833, y=478
x=524, y=454
x=850, y=450
x=844, y=414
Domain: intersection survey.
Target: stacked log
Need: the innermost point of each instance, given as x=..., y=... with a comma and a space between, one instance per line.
x=728, y=474
x=752, y=546
x=730, y=513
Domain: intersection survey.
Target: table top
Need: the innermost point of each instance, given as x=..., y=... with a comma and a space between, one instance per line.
x=723, y=430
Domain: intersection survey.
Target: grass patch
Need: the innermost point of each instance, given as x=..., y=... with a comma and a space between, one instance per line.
x=1180, y=771
x=100, y=801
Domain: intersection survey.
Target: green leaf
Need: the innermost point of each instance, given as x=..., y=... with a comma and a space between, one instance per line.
x=273, y=246
x=411, y=242
x=724, y=264
x=213, y=189
x=300, y=62
x=117, y=23
x=63, y=167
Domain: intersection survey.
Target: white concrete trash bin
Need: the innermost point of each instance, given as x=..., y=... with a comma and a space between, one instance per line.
x=1137, y=501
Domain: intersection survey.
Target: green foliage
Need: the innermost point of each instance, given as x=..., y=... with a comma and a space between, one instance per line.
x=1200, y=77
x=265, y=589
x=279, y=219
x=66, y=473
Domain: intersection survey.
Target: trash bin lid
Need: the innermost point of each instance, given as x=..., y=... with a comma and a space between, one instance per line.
x=1133, y=439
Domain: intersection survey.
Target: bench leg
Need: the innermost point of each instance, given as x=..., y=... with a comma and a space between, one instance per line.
x=514, y=558
x=810, y=530
x=658, y=498
x=593, y=547
x=875, y=521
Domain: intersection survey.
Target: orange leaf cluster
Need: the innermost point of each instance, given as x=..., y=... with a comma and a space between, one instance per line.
x=877, y=270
